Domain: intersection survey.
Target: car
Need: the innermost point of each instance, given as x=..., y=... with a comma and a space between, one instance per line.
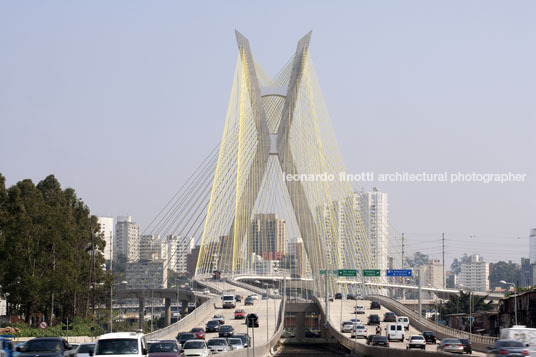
x=452, y=345
x=206, y=291
x=86, y=349
x=238, y=298
x=369, y=338
x=416, y=341
x=356, y=321
x=359, y=309
x=429, y=337
x=164, y=348
x=338, y=296
x=49, y=346
x=189, y=288
x=312, y=333
x=254, y=296
x=219, y=318
x=347, y=326
x=508, y=348
x=199, y=333
x=239, y=314
x=248, y=301
x=185, y=336
x=246, y=340
x=404, y=320
x=375, y=305
x=330, y=298
x=121, y=343
x=236, y=343
x=212, y=326
x=359, y=331
x=196, y=348
x=373, y=320
x=467, y=345
x=226, y=331
x=358, y=296
x=15, y=352
x=350, y=296
x=265, y=296
x=218, y=345
x=379, y=340
x=252, y=320
x=389, y=317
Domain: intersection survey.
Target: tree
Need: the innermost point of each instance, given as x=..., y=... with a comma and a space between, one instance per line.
x=418, y=260
x=509, y=272
x=50, y=258
x=462, y=303
x=456, y=266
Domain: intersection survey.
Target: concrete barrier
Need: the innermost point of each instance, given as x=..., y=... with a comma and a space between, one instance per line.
x=480, y=343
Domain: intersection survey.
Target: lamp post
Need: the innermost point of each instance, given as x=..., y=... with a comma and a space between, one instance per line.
x=124, y=282
x=515, y=298
x=265, y=285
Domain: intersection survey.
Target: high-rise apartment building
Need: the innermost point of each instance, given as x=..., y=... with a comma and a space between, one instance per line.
x=107, y=233
x=152, y=248
x=267, y=234
x=147, y=274
x=532, y=246
x=375, y=213
x=127, y=239
x=297, y=258
x=474, y=274
x=433, y=273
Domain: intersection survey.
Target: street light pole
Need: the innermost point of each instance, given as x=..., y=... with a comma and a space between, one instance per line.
x=515, y=298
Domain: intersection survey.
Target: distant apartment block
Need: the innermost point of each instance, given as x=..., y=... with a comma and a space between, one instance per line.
x=146, y=274
x=268, y=234
x=375, y=213
x=474, y=274
x=191, y=261
x=528, y=273
x=433, y=273
x=107, y=233
x=152, y=248
x=532, y=246
x=178, y=249
x=127, y=239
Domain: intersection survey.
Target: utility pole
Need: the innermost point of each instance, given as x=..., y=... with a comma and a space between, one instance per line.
x=443, y=241
x=402, y=250
x=402, y=267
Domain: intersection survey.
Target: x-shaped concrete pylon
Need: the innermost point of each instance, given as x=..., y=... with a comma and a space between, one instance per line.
x=304, y=217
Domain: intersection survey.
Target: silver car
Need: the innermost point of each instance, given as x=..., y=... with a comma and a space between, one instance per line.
x=219, y=345
x=236, y=343
x=450, y=345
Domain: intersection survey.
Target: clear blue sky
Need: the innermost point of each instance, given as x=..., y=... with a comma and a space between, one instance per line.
x=121, y=100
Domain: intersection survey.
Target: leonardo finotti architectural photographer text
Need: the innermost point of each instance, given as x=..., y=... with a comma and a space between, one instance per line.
x=452, y=177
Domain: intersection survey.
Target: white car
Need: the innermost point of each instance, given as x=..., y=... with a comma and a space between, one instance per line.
x=416, y=341
x=126, y=344
x=356, y=321
x=254, y=296
x=236, y=343
x=359, y=309
x=395, y=332
x=404, y=320
x=195, y=348
x=359, y=331
x=347, y=326
x=206, y=291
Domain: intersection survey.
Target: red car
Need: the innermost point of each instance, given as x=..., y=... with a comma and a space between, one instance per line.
x=198, y=332
x=239, y=314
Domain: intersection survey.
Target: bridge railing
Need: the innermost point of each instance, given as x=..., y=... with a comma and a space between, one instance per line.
x=479, y=342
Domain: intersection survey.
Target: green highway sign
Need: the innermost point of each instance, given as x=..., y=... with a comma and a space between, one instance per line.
x=347, y=272
x=371, y=272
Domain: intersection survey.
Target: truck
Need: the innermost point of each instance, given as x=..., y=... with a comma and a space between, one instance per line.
x=523, y=334
x=228, y=299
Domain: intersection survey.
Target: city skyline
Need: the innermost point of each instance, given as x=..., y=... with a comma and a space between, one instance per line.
x=452, y=99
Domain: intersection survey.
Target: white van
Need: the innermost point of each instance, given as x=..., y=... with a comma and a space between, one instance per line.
x=126, y=344
x=395, y=332
x=404, y=320
x=523, y=334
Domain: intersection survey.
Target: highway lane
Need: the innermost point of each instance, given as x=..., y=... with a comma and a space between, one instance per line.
x=348, y=313
x=266, y=310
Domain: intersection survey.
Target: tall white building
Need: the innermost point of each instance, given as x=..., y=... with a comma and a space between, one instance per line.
x=532, y=246
x=184, y=247
x=107, y=232
x=474, y=274
x=375, y=209
x=127, y=239
x=152, y=248
x=433, y=273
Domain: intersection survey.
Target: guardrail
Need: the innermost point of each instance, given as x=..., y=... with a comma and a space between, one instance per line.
x=204, y=308
x=479, y=342
x=367, y=350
